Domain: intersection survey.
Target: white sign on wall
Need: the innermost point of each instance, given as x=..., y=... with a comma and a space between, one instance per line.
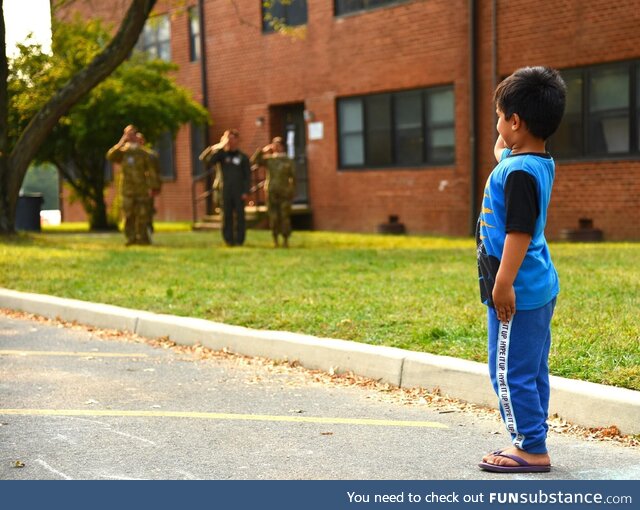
x=316, y=130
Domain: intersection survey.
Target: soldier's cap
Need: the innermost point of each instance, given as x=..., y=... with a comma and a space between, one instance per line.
x=278, y=139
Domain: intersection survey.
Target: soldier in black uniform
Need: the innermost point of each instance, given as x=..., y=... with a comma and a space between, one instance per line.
x=236, y=180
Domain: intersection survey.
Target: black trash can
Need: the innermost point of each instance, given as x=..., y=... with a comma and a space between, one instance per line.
x=28, y=212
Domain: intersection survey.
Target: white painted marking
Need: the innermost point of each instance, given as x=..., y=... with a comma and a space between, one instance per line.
x=109, y=429
x=187, y=475
x=130, y=436
x=54, y=471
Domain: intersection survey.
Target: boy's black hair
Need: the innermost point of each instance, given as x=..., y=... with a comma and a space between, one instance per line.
x=537, y=95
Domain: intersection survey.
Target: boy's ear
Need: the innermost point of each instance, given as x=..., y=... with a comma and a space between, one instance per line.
x=516, y=122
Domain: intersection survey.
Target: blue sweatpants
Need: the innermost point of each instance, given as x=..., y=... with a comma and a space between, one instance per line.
x=519, y=369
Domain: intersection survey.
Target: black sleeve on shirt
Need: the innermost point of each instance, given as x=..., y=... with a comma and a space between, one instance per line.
x=521, y=202
x=216, y=157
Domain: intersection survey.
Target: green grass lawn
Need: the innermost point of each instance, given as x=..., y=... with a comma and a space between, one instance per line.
x=416, y=293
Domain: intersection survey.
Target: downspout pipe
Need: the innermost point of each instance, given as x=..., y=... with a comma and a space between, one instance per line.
x=203, y=61
x=205, y=92
x=473, y=158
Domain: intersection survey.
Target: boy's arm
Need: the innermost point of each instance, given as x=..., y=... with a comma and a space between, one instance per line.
x=516, y=245
x=499, y=148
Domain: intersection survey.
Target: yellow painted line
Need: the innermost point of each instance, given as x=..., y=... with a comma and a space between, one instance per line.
x=220, y=416
x=71, y=353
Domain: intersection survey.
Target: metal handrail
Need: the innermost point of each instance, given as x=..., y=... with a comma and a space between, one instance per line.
x=196, y=199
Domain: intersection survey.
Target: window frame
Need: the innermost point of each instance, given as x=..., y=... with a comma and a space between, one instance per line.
x=427, y=161
x=363, y=9
x=269, y=28
x=170, y=151
x=149, y=37
x=587, y=152
x=195, y=37
x=197, y=134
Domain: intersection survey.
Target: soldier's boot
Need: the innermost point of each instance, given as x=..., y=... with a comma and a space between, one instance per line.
x=276, y=243
x=285, y=241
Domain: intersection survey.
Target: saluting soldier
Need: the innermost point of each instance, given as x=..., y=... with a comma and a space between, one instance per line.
x=154, y=177
x=280, y=186
x=139, y=182
x=236, y=181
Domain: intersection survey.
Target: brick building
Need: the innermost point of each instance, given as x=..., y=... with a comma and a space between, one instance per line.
x=387, y=105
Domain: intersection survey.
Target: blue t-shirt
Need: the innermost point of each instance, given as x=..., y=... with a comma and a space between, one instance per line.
x=516, y=198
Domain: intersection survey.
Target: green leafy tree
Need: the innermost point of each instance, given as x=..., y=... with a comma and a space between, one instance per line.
x=19, y=148
x=140, y=92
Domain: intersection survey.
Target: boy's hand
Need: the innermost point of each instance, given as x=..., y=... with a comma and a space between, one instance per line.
x=513, y=253
x=504, y=301
x=499, y=147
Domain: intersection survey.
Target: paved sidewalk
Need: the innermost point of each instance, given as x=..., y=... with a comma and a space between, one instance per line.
x=579, y=402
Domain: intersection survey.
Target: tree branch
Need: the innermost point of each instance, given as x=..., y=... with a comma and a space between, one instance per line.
x=85, y=80
x=240, y=18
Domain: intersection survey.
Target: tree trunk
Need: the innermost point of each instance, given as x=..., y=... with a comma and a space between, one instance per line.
x=98, y=219
x=89, y=186
x=14, y=165
x=7, y=209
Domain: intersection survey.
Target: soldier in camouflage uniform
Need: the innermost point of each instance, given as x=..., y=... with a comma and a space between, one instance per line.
x=236, y=182
x=154, y=159
x=140, y=180
x=280, y=186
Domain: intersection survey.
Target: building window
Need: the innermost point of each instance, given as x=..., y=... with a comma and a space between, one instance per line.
x=609, y=111
x=350, y=112
x=280, y=13
x=155, y=39
x=400, y=129
x=165, y=149
x=194, y=34
x=348, y=6
x=637, y=116
x=197, y=146
x=599, y=120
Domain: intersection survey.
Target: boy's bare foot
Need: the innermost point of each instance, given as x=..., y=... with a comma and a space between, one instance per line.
x=535, y=459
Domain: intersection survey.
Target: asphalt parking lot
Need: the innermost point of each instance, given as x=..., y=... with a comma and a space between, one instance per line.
x=75, y=404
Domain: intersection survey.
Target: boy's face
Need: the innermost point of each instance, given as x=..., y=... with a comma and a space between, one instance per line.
x=504, y=128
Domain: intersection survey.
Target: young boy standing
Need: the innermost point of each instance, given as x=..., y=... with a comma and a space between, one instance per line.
x=518, y=281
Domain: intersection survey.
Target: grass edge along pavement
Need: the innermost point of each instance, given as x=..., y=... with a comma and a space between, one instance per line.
x=572, y=400
x=412, y=292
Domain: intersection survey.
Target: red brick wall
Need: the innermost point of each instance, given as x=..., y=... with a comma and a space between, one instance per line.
x=419, y=43
x=410, y=45
x=566, y=34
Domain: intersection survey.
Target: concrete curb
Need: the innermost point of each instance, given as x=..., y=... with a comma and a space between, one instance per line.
x=579, y=402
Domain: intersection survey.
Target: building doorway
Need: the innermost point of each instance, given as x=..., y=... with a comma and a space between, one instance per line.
x=288, y=122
